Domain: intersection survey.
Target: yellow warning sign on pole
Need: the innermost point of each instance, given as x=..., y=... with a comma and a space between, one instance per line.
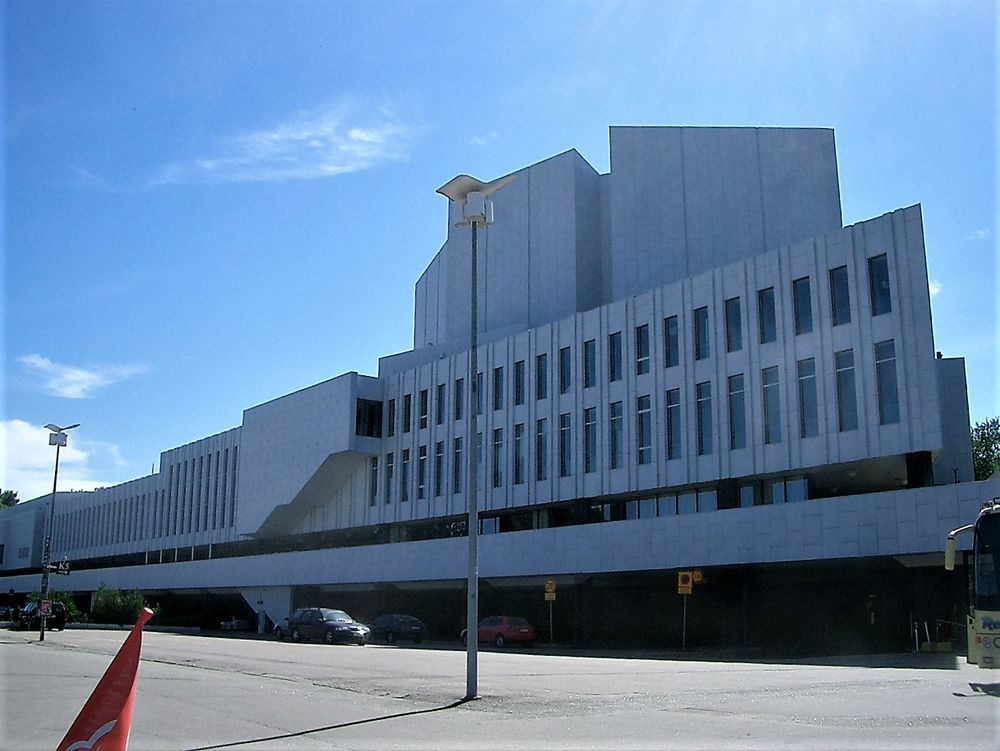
x=684, y=582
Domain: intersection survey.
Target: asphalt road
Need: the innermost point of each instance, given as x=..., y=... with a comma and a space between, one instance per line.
x=203, y=692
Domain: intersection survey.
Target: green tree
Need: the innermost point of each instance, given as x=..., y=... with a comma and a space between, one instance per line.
x=8, y=498
x=115, y=606
x=986, y=448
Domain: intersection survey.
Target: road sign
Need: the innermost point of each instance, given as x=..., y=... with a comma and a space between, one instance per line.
x=696, y=576
x=684, y=582
x=45, y=608
x=550, y=596
x=550, y=586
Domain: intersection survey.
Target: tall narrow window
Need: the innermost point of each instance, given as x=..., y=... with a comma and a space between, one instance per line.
x=565, y=445
x=389, y=470
x=616, y=429
x=478, y=395
x=438, y=468
x=542, y=376
x=878, y=284
x=589, y=439
x=542, y=449
x=737, y=413
x=772, y=405
x=459, y=407
x=641, y=349
x=519, y=453
x=404, y=477
x=372, y=481
x=498, y=457
x=456, y=466
x=644, y=430
x=407, y=412
x=519, y=382
x=390, y=418
x=734, y=325
x=888, y=392
x=802, y=305
x=671, y=343
x=765, y=315
x=423, y=407
x=589, y=363
x=480, y=478
x=703, y=396
x=840, y=296
x=674, y=438
x=422, y=472
x=615, y=356
x=497, y=388
x=565, y=369
x=440, y=404
x=808, y=406
x=847, y=400
x=701, y=339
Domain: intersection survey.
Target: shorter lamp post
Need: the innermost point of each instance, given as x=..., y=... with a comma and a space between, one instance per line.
x=57, y=438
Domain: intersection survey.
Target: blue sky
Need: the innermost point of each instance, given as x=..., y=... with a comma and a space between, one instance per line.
x=211, y=204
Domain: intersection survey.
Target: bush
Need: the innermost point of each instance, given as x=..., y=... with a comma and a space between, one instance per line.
x=115, y=606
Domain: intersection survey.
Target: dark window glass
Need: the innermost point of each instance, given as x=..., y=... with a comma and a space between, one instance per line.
x=888, y=392
x=734, y=325
x=737, y=412
x=878, y=284
x=519, y=453
x=704, y=414
x=367, y=420
x=519, y=382
x=565, y=369
x=802, y=305
x=565, y=445
x=497, y=388
x=808, y=407
x=542, y=376
x=407, y=412
x=772, y=406
x=644, y=431
x=765, y=315
x=423, y=407
x=840, y=296
x=616, y=432
x=389, y=470
x=440, y=404
x=459, y=398
x=674, y=437
x=456, y=466
x=615, y=356
x=671, y=344
x=589, y=439
x=478, y=395
x=641, y=349
x=422, y=472
x=438, y=467
x=390, y=418
x=404, y=477
x=847, y=400
x=542, y=449
x=701, y=338
x=589, y=363
x=498, y=457
x=372, y=480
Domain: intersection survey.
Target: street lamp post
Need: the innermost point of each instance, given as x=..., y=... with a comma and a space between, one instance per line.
x=477, y=210
x=57, y=438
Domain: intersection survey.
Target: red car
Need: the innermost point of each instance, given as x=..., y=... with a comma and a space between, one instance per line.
x=500, y=629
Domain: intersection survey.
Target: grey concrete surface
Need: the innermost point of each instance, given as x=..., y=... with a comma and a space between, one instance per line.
x=204, y=692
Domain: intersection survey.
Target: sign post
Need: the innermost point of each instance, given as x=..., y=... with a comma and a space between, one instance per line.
x=685, y=580
x=550, y=597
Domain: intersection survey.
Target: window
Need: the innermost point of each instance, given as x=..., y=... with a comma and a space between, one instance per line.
x=772, y=407
x=885, y=375
x=701, y=348
x=404, y=477
x=478, y=395
x=440, y=405
x=498, y=463
x=589, y=439
x=388, y=477
x=422, y=472
x=641, y=349
x=615, y=431
x=542, y=376
x=565, y=369
x=407, y=412
x=424, y=407
x=802, y=305
x=519, y=453
x=589, y=363
x=734, y=325
x=372, y=481
x=737, y=413
x=542, y=449
x=671, y=344
x=390, y=418
x=808, y=408
x=367, y=421
x=878, y=284
x=519, y=382
x=497, y=388
x=644, y=431
x=565, y=445
x=840, y=296
x=480, y=478
x=765, y=315
x=673, y=409
x=703, y=399
x=847, y=401
x=438, y=468
x=615, y=356
x=459, y=398
x=456, y=466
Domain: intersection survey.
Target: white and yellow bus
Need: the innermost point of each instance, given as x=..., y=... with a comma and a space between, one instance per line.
x=983, y=621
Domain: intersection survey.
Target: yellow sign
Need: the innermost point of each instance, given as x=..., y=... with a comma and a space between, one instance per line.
x=549, y=596
x=696, y=576
x=684, y=582
x=550, y=587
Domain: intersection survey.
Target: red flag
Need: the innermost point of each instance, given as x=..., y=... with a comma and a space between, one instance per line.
x=105, y=720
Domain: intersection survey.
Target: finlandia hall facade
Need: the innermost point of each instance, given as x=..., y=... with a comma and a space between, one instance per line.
x=688, y=363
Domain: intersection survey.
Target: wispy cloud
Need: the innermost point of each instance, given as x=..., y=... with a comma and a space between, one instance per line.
x=980, y=234
x=486, y=139
x=74, y=382
x=934, y=286
x=323, y=142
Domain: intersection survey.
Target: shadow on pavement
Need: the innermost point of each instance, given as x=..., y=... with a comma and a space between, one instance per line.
x=311, y=731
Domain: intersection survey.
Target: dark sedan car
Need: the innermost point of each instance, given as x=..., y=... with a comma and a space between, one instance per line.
x=393, y=626
x=500, y=629
x=323, y=624
x=28, y=617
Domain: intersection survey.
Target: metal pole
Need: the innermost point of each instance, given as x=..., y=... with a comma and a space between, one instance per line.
x=472, y=614
x=47, y=550
x=551, y=637
x=684, y=625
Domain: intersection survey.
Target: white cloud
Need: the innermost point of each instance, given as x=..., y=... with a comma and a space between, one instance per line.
x=73, y=382
x=323, y=142
x=934, y=286
x=27, y=461
x=484, y=140
x=980, y=234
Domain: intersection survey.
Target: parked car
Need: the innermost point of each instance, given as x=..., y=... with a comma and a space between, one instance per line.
x=323, y=624
x=500, y=629
x=393, y=626
x=28, y=618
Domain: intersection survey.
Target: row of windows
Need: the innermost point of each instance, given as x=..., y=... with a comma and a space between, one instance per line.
x=881, y=302
x=705, y=440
